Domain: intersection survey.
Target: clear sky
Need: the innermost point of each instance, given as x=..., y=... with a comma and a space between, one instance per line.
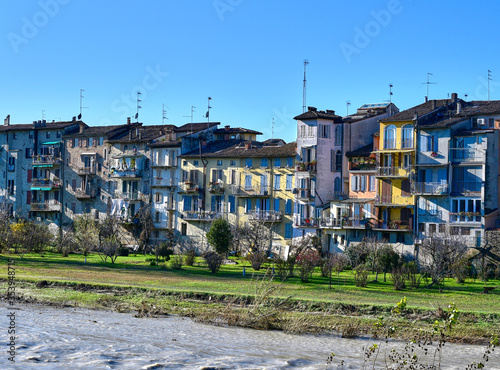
x=247, y=55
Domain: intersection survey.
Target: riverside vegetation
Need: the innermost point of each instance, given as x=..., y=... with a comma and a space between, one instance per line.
x=257, y=299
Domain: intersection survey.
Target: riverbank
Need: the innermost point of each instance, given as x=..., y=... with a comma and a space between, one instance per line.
x=229, y=298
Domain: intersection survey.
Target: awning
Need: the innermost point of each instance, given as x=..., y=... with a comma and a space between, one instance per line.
x=51, y=142
x=89, y=154
x=41, y=188
x=43, y=165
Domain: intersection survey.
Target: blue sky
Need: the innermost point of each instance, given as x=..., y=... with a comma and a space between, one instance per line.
x=246, y=54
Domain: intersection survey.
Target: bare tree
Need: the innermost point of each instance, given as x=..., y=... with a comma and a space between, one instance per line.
x=255, y=238
x=29, y=237
x=143, y=226
x=489, y=252
x=5, y=222
x=441, y=253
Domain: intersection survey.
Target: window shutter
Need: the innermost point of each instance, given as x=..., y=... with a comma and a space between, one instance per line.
x=276, y=204
x=363, y=183
x=212, y=205
x=28, y=199
x=435, y=143
x=30, y=174
x=187, y=202
x=288, y=206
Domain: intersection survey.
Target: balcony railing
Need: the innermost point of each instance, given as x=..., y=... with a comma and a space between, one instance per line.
x=305, y=222
x=200, y=215
x=466, y=187
x=396, y=200
x=169, y=182
x=356, y=166
x=216, y=188
x=466, y=155
x=86, y=170
x=304, y=194
x=265, y=216
x=432, y=188
x=465, y=217
x=250, y=191
x=165, y=163
x=330, y=222
x=47, y=206
x=85, y=194
x=394, y=171
x=389, y=143
x=404, y=225
x=129, y=195
x=189, y=187
x=355, y=222
x=45, y=183
x=46, y=160
x=131, y=172
x=407, y=144
x=306, y=167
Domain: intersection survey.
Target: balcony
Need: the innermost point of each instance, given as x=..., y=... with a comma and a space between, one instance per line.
x=357, y=166
x=200, y=216
x=388, y=200
x=466, y=155
x=129, y=195
x=393, y=171
x=169, y=162
x=189, y=187
x=396, y=225
x=250, y=191
x=47, y=206
x=304, y=194
x=166, y=183
x=45, y=184
x=216, y=188
x=466, y=187
x=407, y=143
x=127, y=173
x=265, y=216
x=86, y=170
x=305, y=222
x=309, y=167
x=355, y=222
x=85, y=194
x=390, y=144
x=46, y=160
x=429, y=188
x=465, y=217
x=330, y=222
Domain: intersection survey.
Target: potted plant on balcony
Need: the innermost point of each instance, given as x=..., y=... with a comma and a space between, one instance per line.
x=395, y=224
x=434, y=154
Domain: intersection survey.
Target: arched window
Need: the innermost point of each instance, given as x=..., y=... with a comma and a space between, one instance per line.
x=407, y=136
x=336, y=185
x=390, y=137
x=338, y=160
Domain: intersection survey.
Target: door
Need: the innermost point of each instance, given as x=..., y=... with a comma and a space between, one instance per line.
x=386, y=191
x=263, y=184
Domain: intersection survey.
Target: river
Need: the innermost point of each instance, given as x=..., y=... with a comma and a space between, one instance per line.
x=71, y=338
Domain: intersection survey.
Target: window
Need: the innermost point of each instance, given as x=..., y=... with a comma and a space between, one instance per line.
x=29, y=152
x=248, y=205
x=248, y=182
x=263, y=162
x=289, y=162
x=332, y=160
x=390, y=137
x=31, y=134
x=362, y=183
x=58, y=134
x=355, y=183
x=277, y=182
x=276, y=204
x=407, y=160
x=338, y=160
x=372, y=183
x=232, y=203
x=101, y=141
x=14, y=135
x=336, y=185
x=158, y=197
x=338, y=135
x=288, y=231
x=405, y=188
x=302, y=131
x=10, y=187
x=195, y=163
x=248, y=163
x=12, y=164
x=184, y=228
x=465, y=210
x=289, y=182
x=219, y=162
x=232, y=162
x=217, y=175
x=91, y=141
x=310, y=131
x=432, y=229
x=324, y=131
x=277, y=162
x=47, y=135
x=442, y=228
x=407, y=136
x=421, y=227
x=429, y=143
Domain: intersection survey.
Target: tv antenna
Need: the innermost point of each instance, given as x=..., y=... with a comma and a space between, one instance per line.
x=465, y=96
x=489, y=79
x=272, y=129
x=207, y=115
x=43, y=114
x=428, y=83
x=390, y=93
x=81, y=104
x=348, y=103
x=192, y=111
x=306, y=62
x=138, y=105
x=164, y=114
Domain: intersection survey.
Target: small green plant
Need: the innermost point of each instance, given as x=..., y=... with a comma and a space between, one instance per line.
x=361, y=276
x=176, y=262
x=190, y=257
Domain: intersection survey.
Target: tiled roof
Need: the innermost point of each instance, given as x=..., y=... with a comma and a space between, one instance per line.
x=213, y=148
x=417, y=111
x=99, y=130
x=313, y=113
x=236, y=149
x=31, y=126
x=146, y=134
x=195, y=127
x=236, y=130
x=166, y=144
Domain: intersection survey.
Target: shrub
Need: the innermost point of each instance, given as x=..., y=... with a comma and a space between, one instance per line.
x=281, y=268
x=123, y=251
x=256, y=259
x=214, y=261
x=220, y=236
x=306, y=261
x=361, y=276
x=164, y=251
x=398, y=279
x=176, y=262
x=190, y=257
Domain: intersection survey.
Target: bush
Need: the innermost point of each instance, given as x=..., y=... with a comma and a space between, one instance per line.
x=176, y=262
x=306, y=261
x=220, y=235
x=281, y=268
x=165, y=251
x=190, y=257
x=256, y=259
x=361, y=276
x=398, y=279
x=123, y=251
x=214, y=261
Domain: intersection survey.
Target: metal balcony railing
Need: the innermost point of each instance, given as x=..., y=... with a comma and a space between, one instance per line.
x=433, y=188
x=389, y=143
x=394, y=200
x=168, y=182
x=45, y=183
x=466, y=155
x=466, y=186
x=200, y=215
x=394, y=171
x=465, y=217
x=46, y=159
x=47, y=206
x=189, y=187
x=85, y=194
x=407, y=144
x=216, y=188
x=129, y=195
x=130, y=172
x=266, y=216
x=86, y=170
x=250, y=191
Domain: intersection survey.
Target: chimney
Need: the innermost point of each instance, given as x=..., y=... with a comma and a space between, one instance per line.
x=74, y=119
x=248, y=145
x=454, y=97
x=459, y=107
x=329, y=111
x=6, y=121
x=426, y=99
x=128, y=120
x=312, y=109
x=226, y=128
x=433, y=104
x=82, y=127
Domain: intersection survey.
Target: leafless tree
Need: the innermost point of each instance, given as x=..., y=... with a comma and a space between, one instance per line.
x=143, y=226
x=441, y=253
x=5, y=222
x=255, y=238
x=489, y=251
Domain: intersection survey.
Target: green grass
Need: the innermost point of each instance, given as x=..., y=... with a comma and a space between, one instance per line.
x=135, y=271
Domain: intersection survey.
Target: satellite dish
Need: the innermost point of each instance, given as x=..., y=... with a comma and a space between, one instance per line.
x=80, y=116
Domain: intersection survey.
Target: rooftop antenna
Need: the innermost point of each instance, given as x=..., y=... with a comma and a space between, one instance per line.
x=272, y=130
x=138, y=105
x=43, y=114
x=489, y=79
x=164, y=114
x=466, y=95
x=428, y=83
x=348, y=103
x=306, y=62
x=192, y=111
x=207, y=115
x=81, y=104
x=390, y=93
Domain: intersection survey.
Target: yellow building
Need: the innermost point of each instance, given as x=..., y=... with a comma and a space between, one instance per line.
x=242, y=181
x=394, y=204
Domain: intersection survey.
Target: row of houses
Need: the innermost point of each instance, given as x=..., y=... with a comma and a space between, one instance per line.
x=397, y=175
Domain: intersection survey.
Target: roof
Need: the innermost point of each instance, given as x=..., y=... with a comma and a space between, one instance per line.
x=244, y=149
x=139, y=133
x=99, y=130
x=166, y=144
x=313, y=113
x=236, y=130
x=195, y=127
x=361, y=152
x=32, y=126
